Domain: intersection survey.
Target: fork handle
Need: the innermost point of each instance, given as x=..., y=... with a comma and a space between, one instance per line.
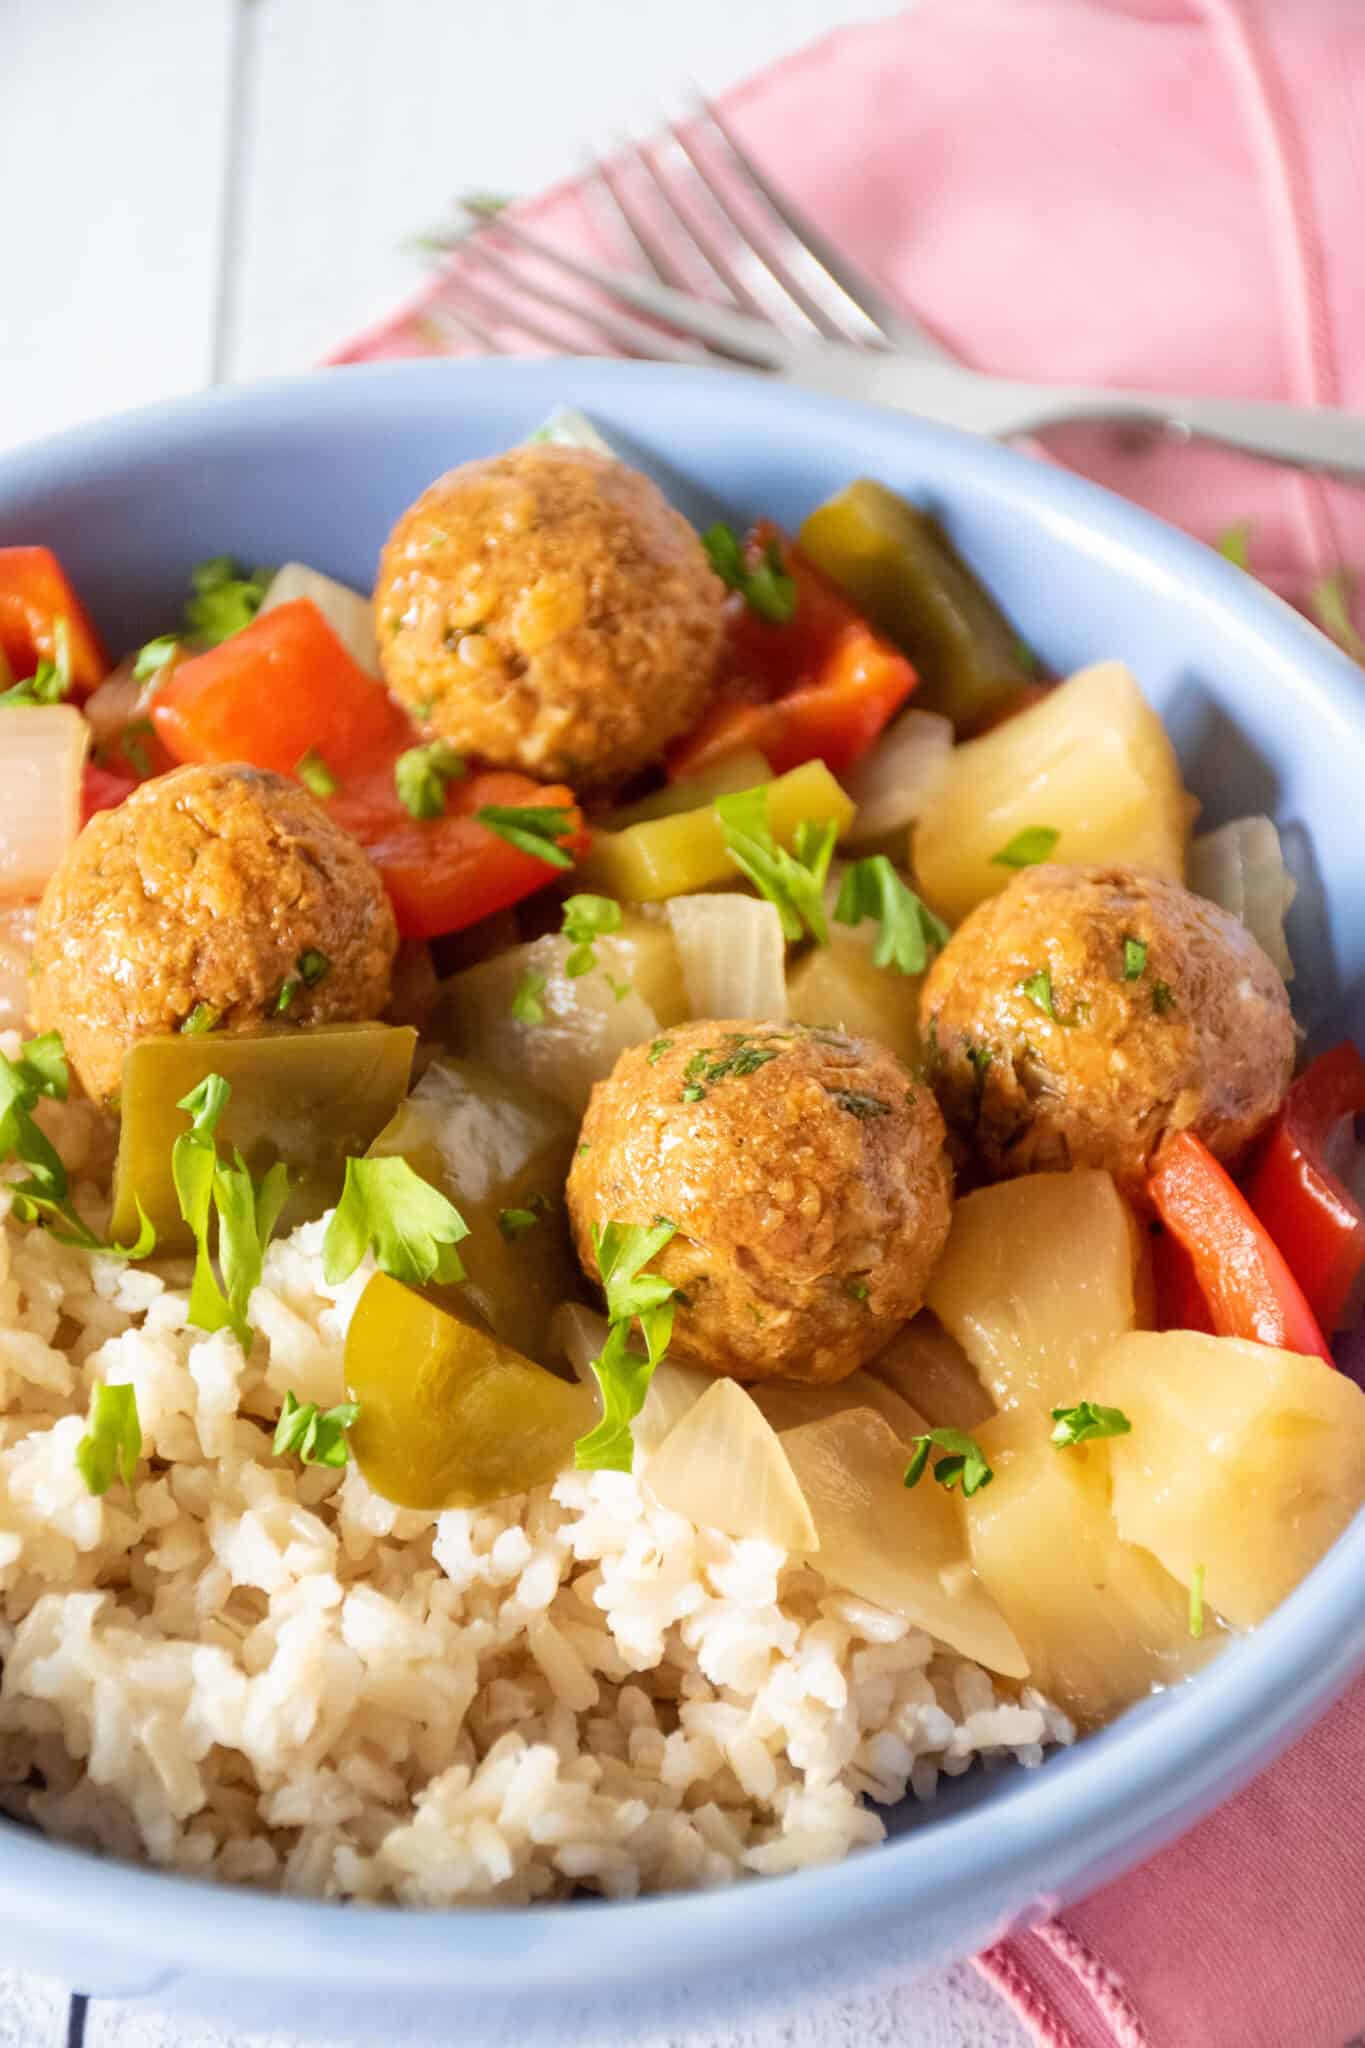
x=1307, y=437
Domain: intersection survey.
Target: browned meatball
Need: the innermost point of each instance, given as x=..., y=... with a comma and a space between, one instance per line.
x=201, y=898
x=548, y=610
x=1084, y=1013
x=807, y=1178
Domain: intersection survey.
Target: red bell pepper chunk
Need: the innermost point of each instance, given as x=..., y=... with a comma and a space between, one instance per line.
x=103, y=790
x=34, y=596
x=1313, y=1218
x=448, y=872
x=281, y=688
x=1243, y=1277
x=819, y=687
x=1180, y=1303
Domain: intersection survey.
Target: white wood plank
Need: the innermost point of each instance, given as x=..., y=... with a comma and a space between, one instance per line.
x=111, y=155
x=362, y=121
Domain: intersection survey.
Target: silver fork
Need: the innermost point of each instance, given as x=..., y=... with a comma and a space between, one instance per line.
x=725, y=268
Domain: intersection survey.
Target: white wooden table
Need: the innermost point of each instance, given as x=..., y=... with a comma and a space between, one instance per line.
x=200, y=190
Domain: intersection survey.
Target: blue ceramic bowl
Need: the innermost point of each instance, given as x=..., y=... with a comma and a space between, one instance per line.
x=1267, y=716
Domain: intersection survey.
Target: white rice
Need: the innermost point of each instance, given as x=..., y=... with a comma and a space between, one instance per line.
x=268, y=1674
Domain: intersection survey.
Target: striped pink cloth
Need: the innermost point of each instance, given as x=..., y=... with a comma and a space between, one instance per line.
x=1149, y=192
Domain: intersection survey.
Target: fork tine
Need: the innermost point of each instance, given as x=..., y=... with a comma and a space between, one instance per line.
x=445, y=320
x=490, y=307
x=721, y=332
x=626, y=216
x=851, y=281
x=634, y=336
x=702, y=238
x=768, y=257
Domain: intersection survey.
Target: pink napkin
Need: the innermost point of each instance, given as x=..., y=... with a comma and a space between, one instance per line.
x=1148, y=192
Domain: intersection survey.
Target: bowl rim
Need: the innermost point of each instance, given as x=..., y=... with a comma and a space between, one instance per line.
x=1168, y=1768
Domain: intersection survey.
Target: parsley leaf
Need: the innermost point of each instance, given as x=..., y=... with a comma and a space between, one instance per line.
x=314, y=1436
x=153, y=656
x=657, y=1050
x=909, y=929
x=622, y=1250
x=247, y=1213
x=863, y=1106
x=965, y=1464
x=1197, y=1601
x=1027, y=848
x=43, y=1196
x=1331, y=604
x=514, y=1223
x=1086, y=1421
x=203, y=1017
x=223, y=601
x=1134, y=959
x=410, y=1226
x=793, y=882
x=531, y=828
x=420, y=776
x=112, y=1443
x=527, y=1007
x=587, y=918
x=51, y=680
x=765, y=585
x=315, y=775
x=1038, y=989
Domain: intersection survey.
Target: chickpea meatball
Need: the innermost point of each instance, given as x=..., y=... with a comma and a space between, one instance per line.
x=1084, y=1013
x=548, y=610
x=807, y=1177
x=213, y=887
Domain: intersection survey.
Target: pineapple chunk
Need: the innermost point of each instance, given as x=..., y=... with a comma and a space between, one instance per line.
x=927, y=1367
x=903, y=1548
x=1099, y=1620
x=1038, y=1276
x=1243, y=1459
x=838, y=987
x=585, y=1025
x=1091, y=760
x=668, y=856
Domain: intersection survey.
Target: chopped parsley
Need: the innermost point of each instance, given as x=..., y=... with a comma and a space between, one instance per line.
x=515, y=1223
x=909, y=931
x=312, y=967
x=857, y=1288
x=744, y=1056
x=864, y=1106
x=979, y=1058
x=112, y=1443
x=285, y=999
x=1087, y=1421
x=409, y=1225
x=1134, y=959
x=622, y=1251
x=420, y=776
x=792, y=882
x=314, y=774
x=224, y=599
x=532, y=828
x=1331, y=605
x=204, y=1017
x=765, y=584
x=1197, y=1601
x=51, y=680
x=527, y=1007
x=154, y=655
x=247, y=1212
x=586, y=919
x=964, y=1465
x=1027, y=848
x=313, y=1435
x=43, y=1196
x=1163, y=1002
x=1038, y=989
x=658, y=1049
